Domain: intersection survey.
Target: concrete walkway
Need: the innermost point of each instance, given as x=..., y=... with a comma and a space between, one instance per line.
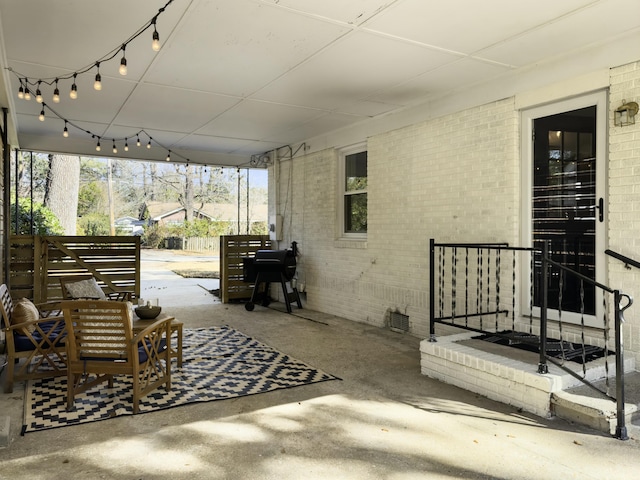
x=383, y=420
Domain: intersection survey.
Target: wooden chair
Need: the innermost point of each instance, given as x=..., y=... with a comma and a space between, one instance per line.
x=101, y=344
x=36, y=347
x=71, y=285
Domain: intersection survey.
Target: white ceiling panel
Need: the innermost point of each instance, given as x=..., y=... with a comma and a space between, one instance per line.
x=256, y=120
x=168, y=108
x=353, y=12
x=350, y=70
x=235, y=78
x=558, y=38
x=441, y=80
x=238, y=47
x=466, y=25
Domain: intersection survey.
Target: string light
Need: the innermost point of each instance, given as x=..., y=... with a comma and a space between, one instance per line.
x=56, y=93
x=155, y=38
x=38, y=93
x=97, y=85
x=123, y=62
x=66, y=134
x=23, y=90
x=73, y=94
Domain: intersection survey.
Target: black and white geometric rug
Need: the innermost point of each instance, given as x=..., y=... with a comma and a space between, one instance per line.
x=218, y=363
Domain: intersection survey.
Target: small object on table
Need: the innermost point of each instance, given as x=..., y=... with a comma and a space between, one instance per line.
x=148, y=311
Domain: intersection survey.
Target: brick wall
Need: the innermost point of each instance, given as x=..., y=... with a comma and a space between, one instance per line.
x=624, y=198
x=454, y=178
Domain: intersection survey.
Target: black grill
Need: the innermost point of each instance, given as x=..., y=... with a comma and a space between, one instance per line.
x=271, y=266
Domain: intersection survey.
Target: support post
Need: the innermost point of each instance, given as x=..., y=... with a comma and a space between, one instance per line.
x=621, y=428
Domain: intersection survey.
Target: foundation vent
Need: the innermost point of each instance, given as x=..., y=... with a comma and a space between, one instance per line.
x=398, y=322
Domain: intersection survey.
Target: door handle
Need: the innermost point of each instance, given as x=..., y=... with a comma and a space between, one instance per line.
x=600, y=208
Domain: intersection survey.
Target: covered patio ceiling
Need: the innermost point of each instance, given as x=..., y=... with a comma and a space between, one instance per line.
x=237, y=78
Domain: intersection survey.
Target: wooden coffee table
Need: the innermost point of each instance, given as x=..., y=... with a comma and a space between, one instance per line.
x=139, y=324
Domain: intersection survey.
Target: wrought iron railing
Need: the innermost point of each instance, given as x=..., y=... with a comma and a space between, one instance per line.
x=504, y=291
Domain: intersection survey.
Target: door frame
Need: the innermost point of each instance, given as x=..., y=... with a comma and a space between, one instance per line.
x=527, y=116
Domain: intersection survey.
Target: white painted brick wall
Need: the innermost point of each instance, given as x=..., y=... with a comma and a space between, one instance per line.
x=454, y=178
x=624, y=198
x=416, y=179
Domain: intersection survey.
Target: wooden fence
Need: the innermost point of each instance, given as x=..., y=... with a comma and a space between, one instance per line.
x=193, y=244
x=38, y=262
x=233, y=248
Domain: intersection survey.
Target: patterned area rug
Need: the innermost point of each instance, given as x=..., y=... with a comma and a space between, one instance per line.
x=218, y=363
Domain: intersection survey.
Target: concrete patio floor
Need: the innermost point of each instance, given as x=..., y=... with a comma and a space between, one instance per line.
x=383, y=420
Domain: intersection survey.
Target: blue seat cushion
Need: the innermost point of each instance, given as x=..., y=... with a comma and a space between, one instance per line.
x=142, y=353
x=54, y=333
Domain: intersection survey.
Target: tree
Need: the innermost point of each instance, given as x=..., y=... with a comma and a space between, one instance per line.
x=61, y=191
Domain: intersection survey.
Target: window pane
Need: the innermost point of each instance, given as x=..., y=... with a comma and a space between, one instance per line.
x=356, y=172
x=355, y=213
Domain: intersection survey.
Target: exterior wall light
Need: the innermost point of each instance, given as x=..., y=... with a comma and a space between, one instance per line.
x=625, y=114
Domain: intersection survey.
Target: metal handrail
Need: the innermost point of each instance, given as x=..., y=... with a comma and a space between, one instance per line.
x=546, y=264
x=628, y=262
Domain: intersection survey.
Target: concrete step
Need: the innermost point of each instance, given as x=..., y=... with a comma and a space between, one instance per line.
x=585, y=406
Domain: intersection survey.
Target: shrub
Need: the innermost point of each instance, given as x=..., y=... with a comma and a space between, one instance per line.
x=45, y=221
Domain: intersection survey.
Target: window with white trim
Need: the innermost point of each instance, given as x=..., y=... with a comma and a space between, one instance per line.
x=353, y=175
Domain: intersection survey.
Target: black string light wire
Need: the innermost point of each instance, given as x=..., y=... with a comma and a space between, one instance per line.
x=26, y=81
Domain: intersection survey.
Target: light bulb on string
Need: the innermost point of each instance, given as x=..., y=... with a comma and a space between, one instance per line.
x=98, y=148
x=115, y=149
x=149, y=143
x=97, y=85
x=65, y=132
x=41, y=116
x=155, y=38
x=56, y=93
x=73, y=93
x=138, y=140
x=123, y=63
x=168, y=159
x=21, y=91
x=27, y=94
x=126, y=145
x=38, y=93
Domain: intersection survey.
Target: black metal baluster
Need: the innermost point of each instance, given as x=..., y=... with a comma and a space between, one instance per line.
x=531, y=290
x=513, y=292
x=466, y=287
x=488, y=280
x=454, y=279
x=498, y=255
x=479, y=281
x=584, y=353
x=561, y=281
x=605, y=308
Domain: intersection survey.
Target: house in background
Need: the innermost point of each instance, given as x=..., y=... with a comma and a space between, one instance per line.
x=236, y=219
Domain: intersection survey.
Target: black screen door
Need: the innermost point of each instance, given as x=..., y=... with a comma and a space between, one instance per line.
x=564, y=204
